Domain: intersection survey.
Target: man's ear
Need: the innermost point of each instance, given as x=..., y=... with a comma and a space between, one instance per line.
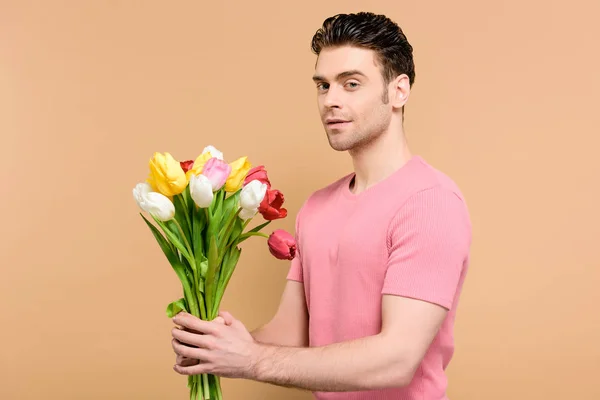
x=400, y=91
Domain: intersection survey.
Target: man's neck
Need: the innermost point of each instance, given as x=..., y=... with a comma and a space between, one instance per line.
x=378, y=160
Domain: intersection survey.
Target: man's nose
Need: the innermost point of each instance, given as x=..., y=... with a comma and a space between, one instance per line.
x=332, y=99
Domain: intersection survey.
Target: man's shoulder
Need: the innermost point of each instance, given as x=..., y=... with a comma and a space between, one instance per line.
x=428, y=177
x=437, y=193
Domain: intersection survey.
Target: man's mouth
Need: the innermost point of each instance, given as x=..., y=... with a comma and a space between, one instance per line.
x=336, y=122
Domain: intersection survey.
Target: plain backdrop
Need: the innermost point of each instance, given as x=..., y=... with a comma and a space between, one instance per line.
x=505, y=102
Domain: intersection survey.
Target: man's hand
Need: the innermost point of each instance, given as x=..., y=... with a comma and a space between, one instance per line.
x=222, y=347
x=186, y=361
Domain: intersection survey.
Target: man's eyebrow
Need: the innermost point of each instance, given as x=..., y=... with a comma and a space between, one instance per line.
x=319, y=78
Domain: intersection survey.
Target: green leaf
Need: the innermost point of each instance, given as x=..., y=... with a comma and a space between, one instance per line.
x=218, y=204
x=231, y=202
x=182, y=216
x=163, y=243
x=168, y=229
x=200, y=285
x=199, y=223
x=203, y=266
x=229, y=265
x=178, y=267
x=211, y=274
x=177, y=306
x=236, y=232
x=259, y=227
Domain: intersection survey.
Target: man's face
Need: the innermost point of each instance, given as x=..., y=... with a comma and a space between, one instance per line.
x=352, y=97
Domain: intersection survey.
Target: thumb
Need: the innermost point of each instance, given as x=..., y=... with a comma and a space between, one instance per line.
x=227, y=317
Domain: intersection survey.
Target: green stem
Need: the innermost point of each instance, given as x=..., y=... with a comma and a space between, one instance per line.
x=230, y=225
x=202, y=306
x=206, y=386
x=188, y=293
x=245, y=224
x=248, y=234
x=187, y=245
x=218, y=387
x=187, y=214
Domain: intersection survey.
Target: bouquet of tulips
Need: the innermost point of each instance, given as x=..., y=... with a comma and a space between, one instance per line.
x=201, y=209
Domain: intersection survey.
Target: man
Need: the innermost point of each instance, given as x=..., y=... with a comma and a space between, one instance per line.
x=369, y=306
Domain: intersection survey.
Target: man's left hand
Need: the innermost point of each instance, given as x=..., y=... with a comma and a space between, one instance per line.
x=224, y=349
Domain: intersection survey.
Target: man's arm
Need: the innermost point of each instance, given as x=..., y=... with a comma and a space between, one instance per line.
x=289, y=326
x=388, y=359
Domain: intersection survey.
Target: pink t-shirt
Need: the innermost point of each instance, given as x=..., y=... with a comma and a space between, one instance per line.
x=408, y=235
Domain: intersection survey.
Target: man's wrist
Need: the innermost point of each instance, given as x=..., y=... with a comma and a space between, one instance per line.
x=259, y=362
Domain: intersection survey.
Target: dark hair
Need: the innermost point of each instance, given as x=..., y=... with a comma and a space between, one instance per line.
x=371, y=31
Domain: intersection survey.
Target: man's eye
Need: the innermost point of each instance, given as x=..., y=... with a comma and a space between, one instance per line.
x=322, y=86
x=353, y=85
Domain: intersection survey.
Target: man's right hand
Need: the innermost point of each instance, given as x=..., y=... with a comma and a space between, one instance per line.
x=223, y=318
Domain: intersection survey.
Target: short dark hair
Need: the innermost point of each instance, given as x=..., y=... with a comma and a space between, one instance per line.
x=371, y=31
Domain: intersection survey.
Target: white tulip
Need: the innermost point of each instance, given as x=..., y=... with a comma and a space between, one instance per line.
x=246, y=213
x=213, y=152
x=253, y=194
x=139, y=193
x=159, y=206
x=201, y=190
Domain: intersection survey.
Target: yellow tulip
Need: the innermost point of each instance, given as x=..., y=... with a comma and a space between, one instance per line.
x=239, y=170
x=198, y=165
x=166, y=175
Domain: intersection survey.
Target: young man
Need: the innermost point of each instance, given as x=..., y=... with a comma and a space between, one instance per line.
x=369, y=306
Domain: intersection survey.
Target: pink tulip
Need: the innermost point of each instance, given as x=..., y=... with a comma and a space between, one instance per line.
x=282, y=245
x=217, y=171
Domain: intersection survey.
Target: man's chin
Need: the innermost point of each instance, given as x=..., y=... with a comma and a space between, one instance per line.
x=339, y=145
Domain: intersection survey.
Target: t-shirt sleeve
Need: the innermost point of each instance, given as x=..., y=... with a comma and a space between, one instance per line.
x=295, y=271
x=428, y=242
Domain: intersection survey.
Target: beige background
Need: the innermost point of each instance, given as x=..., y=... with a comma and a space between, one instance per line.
x=505, y=102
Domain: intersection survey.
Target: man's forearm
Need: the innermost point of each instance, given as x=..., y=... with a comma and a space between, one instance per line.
x=265, y=335
x=362, y=364
x=273, y=335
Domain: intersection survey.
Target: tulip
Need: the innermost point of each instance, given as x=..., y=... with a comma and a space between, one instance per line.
x=282, y=245
x=217, y=171
x=258, y=173
x=159, y=206
x=186, y=165
x=213, y=152
x=198, y=165
x=166, y=175
x=270, y=207
x=239, y=170
x=201, y=190
x=247, y=213
x=139, y=194
x=252, y=195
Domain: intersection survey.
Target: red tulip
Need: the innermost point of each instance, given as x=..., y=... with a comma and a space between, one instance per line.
x=259, y=173
x=186, y=165
x=282, y=245
x=270, y=207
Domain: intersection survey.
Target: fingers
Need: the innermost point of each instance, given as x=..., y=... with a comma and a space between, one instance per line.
x=196, y=353
x=227, y=317
x=192, y=339
x=193, y=369
x=191, y=322
x=186, y=362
